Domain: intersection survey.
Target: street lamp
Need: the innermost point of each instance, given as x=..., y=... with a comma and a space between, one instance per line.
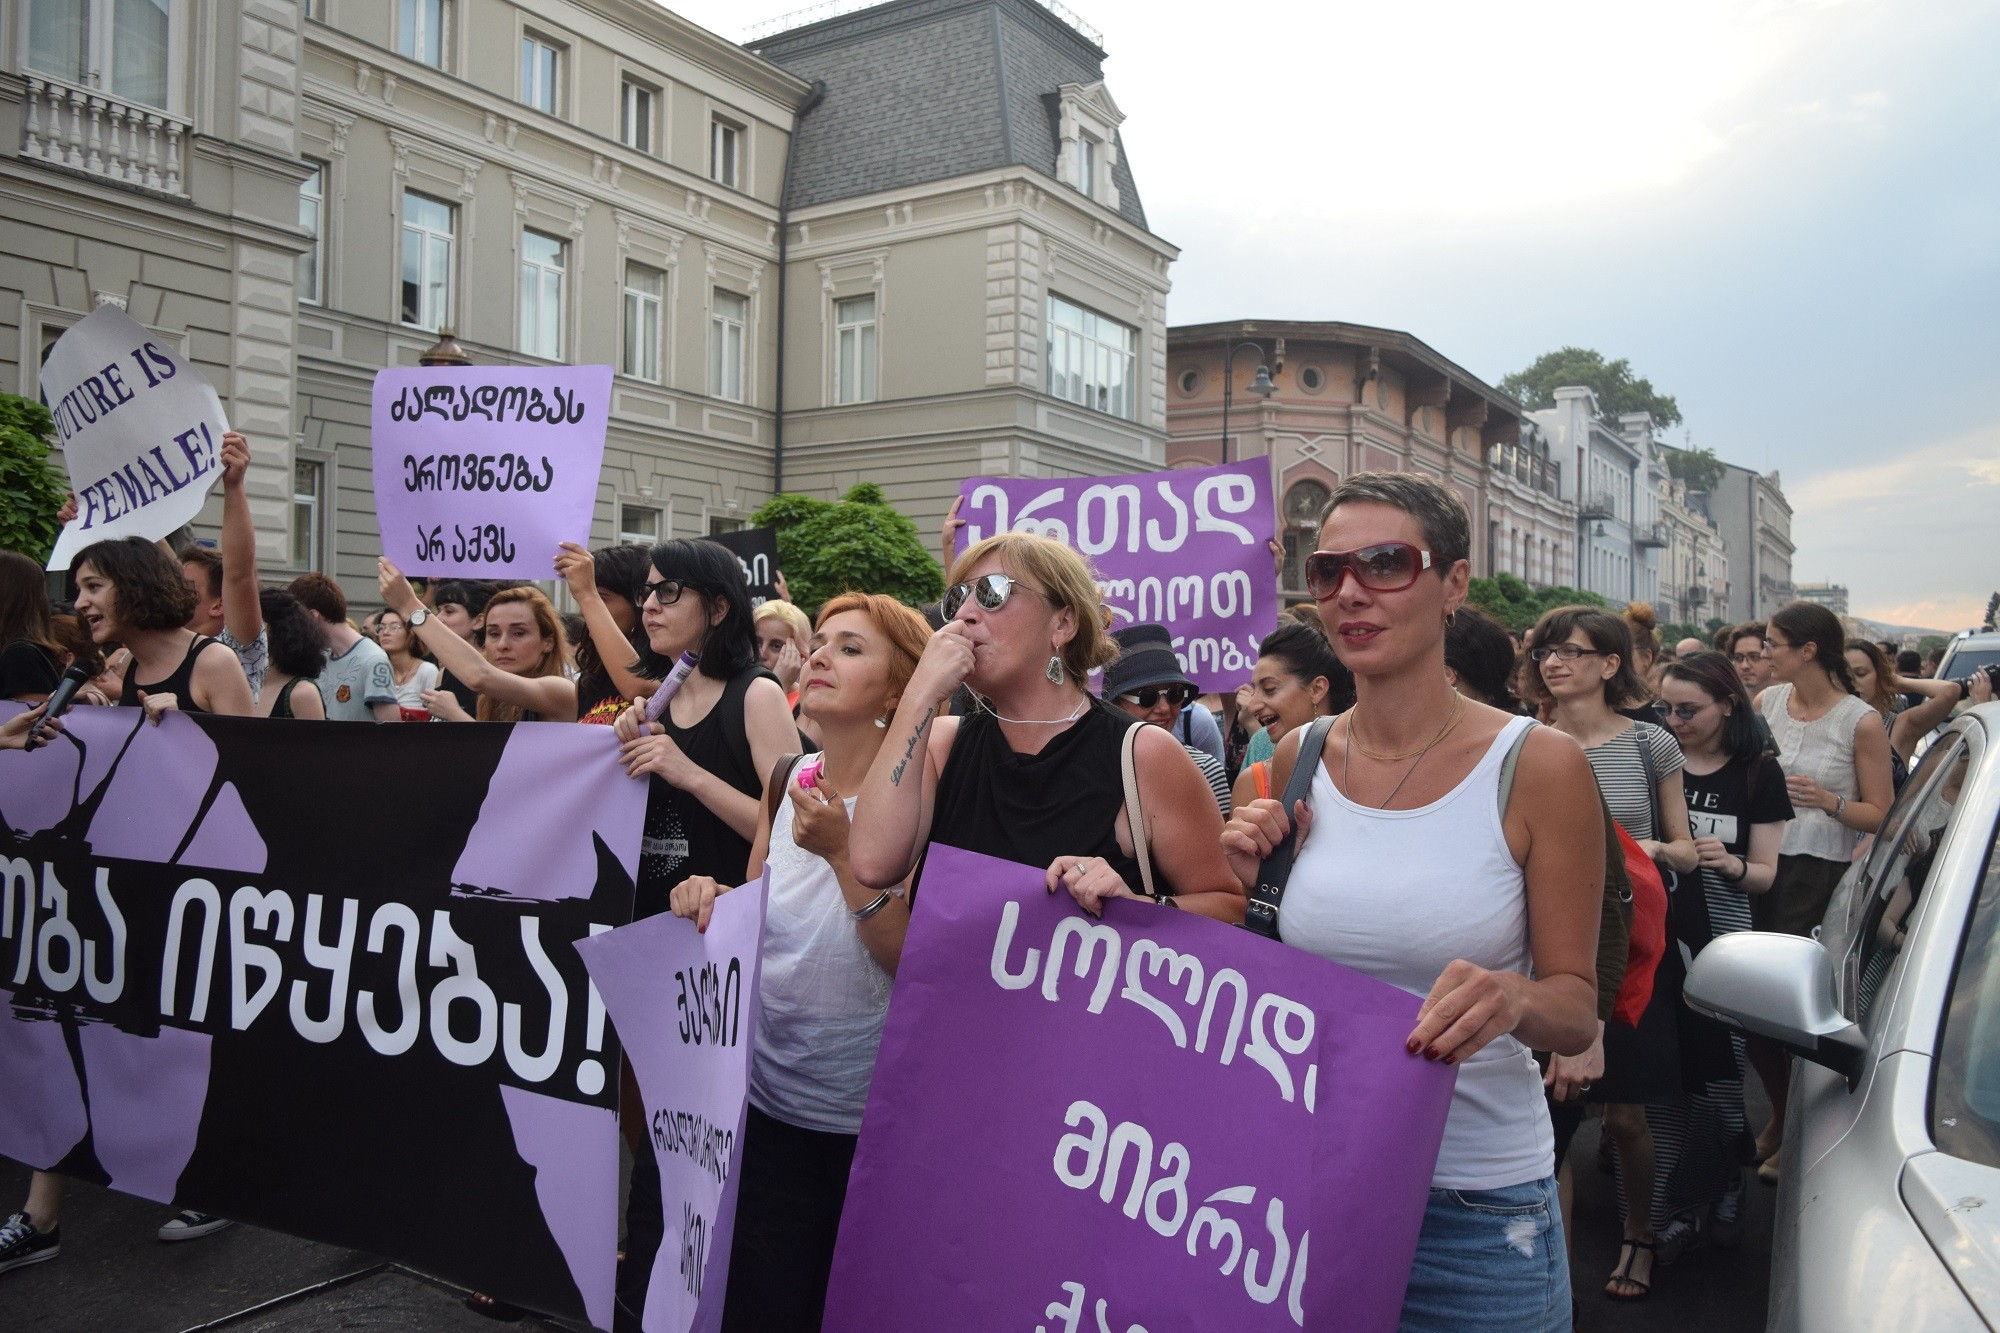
x=1260, y=383
x=445, y=352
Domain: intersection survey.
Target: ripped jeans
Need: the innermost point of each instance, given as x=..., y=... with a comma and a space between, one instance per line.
x=1490, y=1259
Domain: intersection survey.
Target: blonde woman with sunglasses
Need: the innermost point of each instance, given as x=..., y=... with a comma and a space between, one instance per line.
x=1036, y=768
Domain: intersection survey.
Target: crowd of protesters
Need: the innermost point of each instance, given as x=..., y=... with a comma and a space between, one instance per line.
x=1460, y=837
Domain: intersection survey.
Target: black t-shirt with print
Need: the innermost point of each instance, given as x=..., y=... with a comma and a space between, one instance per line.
x=1723, y=806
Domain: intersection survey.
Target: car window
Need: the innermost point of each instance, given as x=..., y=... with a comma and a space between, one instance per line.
x=1968, y=660
x=1965, y=1102
x=1899, y=865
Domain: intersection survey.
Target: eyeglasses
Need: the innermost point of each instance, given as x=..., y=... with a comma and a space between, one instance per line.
x=1772, y=646
x=667, y=591
x=1568, y=652
x=1180, y=696
x=1746, y=659
x=1387, y=567
x=1685, y=712
x=991, y=590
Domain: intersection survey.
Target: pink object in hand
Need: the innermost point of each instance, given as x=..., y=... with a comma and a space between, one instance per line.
x=809, y=774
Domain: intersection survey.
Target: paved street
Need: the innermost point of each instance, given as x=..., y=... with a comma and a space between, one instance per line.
x=114, y=1277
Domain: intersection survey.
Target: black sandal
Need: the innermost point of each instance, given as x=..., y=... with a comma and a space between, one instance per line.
x=480, y=1303
x=1628, y=1252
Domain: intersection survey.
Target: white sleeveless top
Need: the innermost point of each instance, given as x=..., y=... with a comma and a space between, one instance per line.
x=821, y=998
x=1822, y=750
x=1399, y=894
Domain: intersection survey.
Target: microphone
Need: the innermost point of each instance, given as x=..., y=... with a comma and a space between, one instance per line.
x=73, y=680
x=683, y=668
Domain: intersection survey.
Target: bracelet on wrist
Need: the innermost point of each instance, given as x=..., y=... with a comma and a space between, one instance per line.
x=880, y=901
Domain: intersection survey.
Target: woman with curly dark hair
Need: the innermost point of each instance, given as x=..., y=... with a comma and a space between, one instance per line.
x=614, y=663
x=130, y=592
x=298, y=651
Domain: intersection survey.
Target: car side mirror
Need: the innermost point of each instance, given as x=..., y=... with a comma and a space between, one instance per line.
x=1780, y=987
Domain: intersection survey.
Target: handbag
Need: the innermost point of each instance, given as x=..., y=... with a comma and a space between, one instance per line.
x=1135, y=817
x=1261, y=916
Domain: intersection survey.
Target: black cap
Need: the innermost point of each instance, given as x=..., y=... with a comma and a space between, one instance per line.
x=1145, y=658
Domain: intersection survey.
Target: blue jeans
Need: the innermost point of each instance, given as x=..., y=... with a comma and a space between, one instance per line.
x=1490, y=1259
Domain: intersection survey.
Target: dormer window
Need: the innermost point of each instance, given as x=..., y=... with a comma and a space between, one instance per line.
x=1087, y=126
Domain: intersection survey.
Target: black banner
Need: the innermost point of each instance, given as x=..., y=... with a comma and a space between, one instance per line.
x=322, y=977
x=756, y=549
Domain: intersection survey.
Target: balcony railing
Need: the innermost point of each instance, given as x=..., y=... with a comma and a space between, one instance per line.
x=101, y=135
x=1506, y=460
x=1598, y=504
x=1652, y=534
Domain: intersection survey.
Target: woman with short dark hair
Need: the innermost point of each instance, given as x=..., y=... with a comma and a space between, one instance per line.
x=30, y=657
x=130, y=592
x=1297, y=677
x=298, y=651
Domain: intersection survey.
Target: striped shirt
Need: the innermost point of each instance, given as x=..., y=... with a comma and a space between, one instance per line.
x=1621, y=774
x=1212, y=769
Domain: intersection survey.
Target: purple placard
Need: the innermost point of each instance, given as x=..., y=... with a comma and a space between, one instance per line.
x=1188, y=549
x=685, y=1005
x=1152, y=1121
x=482, y=470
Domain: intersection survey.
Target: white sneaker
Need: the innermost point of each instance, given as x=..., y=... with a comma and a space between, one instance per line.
x=187, y=1224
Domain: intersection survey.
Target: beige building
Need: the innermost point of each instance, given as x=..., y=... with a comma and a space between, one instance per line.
x=1755, y=520
x=1694, y=566
x=1324, y=400
x=149, y=157
x=900, y=244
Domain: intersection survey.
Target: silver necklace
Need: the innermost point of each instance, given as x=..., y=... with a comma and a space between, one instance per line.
x=1035, y=721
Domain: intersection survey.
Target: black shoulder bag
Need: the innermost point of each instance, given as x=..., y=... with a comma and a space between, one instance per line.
x=1262, y=914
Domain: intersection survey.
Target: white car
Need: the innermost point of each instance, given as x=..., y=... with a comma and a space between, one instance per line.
x=1888, y=1210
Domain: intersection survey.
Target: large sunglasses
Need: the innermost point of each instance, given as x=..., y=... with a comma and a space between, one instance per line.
x=1180, y=696
x=1387, y=567
x=990, y=590
x=1685, y=712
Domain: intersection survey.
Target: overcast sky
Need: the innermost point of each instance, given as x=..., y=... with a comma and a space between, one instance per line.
x=1785, y=213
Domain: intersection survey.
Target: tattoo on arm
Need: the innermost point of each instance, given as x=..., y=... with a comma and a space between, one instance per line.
x=896, y=773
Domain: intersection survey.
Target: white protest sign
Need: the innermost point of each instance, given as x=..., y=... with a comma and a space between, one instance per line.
x=685, y=1004
x=141, y=431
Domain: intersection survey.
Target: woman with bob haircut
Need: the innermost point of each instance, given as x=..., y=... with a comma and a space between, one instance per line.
x=130, y=592
x=298, y=651
x=1297, y=677
x=1584, y=672
x=831, y=946
x=31, y=656
x=1037, y=767
x=1835, y=752
x=521, y=675
x=1412, y=872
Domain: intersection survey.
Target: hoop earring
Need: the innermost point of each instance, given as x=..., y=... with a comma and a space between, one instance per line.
x=1055, y=672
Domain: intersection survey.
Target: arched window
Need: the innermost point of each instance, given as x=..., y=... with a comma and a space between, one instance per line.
x=1305, y=505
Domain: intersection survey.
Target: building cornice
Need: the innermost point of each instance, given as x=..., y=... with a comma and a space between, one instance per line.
x=648, y=18
x=1362, y=337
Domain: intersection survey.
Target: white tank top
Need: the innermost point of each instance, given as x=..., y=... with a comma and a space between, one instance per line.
x=1398, y=895
x=1823, y=750
x=821, y=996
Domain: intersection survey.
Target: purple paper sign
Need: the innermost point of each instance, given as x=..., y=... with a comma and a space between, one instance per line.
x=483, y=470
x=1151, y=1121
x=684, y=1003
x=1188, y=549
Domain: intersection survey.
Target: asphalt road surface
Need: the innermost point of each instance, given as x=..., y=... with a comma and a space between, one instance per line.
x=113, y=1276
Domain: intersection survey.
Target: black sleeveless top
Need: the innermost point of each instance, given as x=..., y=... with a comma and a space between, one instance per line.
x=180, y=684
x=1032, y=808
x=282, y=706
x=683, y=837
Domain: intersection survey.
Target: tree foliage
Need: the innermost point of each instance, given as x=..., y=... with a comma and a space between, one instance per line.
x=1618, y=390
x=34, y=487
x=1992, y=611
x=1517, y=606
x=860, y=542
x=1699, y=468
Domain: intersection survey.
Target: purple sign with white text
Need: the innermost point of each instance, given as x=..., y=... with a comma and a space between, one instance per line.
x=1140, y=1122
x=482, y=471
x=1187, y=548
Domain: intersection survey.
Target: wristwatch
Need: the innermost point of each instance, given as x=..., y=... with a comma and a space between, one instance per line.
x=1839, y=805
x=418, y=617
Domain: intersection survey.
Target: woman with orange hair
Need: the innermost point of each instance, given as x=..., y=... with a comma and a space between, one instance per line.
x=831, y=946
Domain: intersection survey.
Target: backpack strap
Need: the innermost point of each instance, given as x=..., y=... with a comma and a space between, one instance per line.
x=1261, y=915
x=774, y=786
x=1135, y=817
x=1511, y=761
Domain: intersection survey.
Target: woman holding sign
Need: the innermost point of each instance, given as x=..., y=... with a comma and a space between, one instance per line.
x=129, y=591
x=1416, y=873
x=831, y=946
x=1037, y=769
x=520, y=678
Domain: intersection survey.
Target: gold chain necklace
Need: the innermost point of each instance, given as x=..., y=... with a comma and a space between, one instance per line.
x=1347, y=756
x=1354, y=738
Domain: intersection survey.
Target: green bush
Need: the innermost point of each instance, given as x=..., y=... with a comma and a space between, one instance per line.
x=858, y=543
x=34, y=487
x=1517, y=606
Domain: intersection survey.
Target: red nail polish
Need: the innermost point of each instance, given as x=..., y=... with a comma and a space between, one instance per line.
x=1412, y=1045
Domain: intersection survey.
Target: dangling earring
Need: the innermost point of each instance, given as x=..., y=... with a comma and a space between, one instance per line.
x=882, y=723
x=1055, y=669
